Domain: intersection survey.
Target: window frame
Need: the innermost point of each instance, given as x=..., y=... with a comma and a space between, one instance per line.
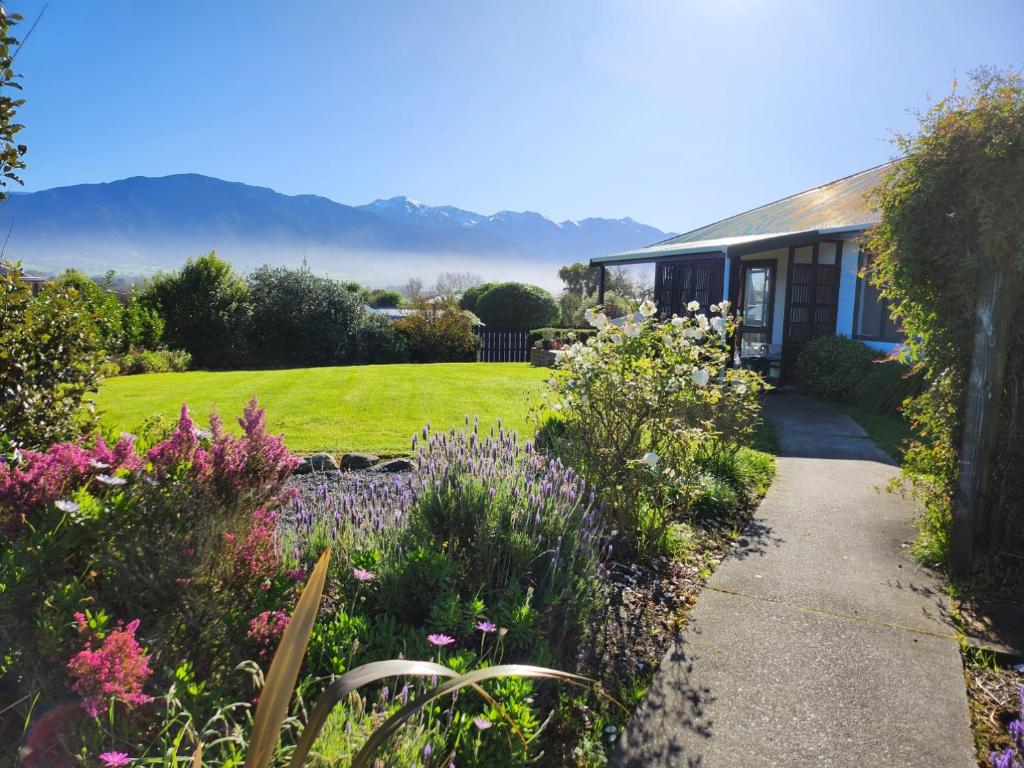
x=889, y=331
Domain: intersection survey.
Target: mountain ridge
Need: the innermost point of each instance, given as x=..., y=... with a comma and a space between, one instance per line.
x=142, y=224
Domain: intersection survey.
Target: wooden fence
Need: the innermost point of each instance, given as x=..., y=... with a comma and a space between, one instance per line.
x=503, y=343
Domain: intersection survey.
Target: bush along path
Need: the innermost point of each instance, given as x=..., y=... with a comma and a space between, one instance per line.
x=818, y=641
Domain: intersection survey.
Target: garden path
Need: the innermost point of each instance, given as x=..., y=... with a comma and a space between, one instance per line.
x=818, y=641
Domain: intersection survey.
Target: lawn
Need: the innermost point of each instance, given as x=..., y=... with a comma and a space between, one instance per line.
x=888, y=433
x=354, y=408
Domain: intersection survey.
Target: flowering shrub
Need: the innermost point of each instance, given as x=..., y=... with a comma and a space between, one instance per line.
x=643, y=405
x=183, y=538
x=115, y=671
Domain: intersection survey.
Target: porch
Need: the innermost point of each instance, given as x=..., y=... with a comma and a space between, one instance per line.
x=789, y=288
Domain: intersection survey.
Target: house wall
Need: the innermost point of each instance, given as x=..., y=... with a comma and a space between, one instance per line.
x=846, y=316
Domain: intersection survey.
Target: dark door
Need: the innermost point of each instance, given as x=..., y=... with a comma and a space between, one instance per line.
x=812, y=298
x=677, y=283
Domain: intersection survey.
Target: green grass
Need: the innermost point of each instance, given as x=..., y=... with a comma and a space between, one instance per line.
x=888, y=433
x=354, y=408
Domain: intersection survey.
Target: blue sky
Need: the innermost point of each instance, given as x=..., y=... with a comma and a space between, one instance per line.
x=675, y=113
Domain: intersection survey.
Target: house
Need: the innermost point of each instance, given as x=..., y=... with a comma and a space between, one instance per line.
x=795, y=269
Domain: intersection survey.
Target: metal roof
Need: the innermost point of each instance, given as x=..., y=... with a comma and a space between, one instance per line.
x=840, y=205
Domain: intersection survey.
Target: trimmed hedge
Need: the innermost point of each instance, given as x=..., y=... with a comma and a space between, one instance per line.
x=517, y=304
x=843, y=369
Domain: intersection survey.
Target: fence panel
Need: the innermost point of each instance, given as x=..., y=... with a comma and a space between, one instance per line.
x=503, y=344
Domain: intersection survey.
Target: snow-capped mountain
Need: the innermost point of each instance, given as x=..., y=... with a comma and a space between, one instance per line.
x=142, y=224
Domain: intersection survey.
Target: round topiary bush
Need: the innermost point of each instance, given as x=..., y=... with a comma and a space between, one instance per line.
x=517, y=304
x=832, y=367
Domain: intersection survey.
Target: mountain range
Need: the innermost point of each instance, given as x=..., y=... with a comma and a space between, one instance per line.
x=142, y=224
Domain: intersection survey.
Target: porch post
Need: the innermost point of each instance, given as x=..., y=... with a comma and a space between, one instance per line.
x=600, y=285
x=726, y=276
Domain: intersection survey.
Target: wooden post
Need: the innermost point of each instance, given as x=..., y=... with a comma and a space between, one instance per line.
x=981, y=416
x=600, y=286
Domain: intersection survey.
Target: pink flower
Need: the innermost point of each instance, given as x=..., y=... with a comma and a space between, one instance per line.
x=486, y=627
x=115, y=671
x=267, y=628
x=114, y=759
x=482, y=723
x=440, y=640
x=364, y=576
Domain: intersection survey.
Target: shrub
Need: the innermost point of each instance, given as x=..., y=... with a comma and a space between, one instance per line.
x=887, y=385
x=151, y=361
x=50, y=359
x=384, y=298
x=562, y=334
x=833, y=366
x=104, y=306
x=204, y=306
x=950, y=218
x=439, y=332
x=642, y=406
x=517, y=304
x=472, y=295
x=299, y=318
x=191, y=522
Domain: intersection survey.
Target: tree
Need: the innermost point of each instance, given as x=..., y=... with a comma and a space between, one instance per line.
x=11, y=152
x=50, y=359
x=452, y=284
x=580, y=279
x=103, y=304
x=413, y=289
x=949, y=258
x=517, y=304
x=205, y=307
x=471, y=295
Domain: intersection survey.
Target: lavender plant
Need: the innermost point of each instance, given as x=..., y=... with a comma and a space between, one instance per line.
x=1011, y=757
x=487, y=529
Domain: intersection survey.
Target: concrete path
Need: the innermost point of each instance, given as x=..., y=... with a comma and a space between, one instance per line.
x=818, y=642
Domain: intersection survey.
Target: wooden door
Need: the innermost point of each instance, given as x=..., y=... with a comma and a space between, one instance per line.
x=677, y=283
x=812, y=298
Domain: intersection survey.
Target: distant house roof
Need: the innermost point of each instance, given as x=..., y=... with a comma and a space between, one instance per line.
x=392, y=313
x=839, y=205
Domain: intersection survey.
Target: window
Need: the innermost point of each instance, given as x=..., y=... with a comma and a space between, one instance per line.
x=872, y=320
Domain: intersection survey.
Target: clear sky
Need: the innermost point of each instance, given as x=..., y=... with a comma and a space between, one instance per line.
x=676, y=112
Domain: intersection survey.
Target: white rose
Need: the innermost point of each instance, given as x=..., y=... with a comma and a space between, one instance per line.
x=650, y=459
x=724, y=307
x=632, y=329
x=718, y=325
x=700, y=377
x=693, y=306
x=677, y=320
x=702, y=321
x=648, y=308
x=693, y=332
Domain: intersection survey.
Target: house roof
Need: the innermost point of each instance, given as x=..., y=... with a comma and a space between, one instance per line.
x=840, y=205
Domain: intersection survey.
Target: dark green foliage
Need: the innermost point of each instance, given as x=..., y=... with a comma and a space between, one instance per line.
x=103, y=304
x=831, y=366
x=10, y=152
x=567, y=335
x=887, y=385
x=517, y=304
x=299, y=318
x=384, y=298
x=49, y=360
x=205, y=308
x=141, y=324
x=472, y=295
x=439, y=332
x=950, y=213
x=151, y=361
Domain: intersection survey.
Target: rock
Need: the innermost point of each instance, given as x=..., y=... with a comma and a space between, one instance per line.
x=401, y=464
x=359, y=460
x=316, y=463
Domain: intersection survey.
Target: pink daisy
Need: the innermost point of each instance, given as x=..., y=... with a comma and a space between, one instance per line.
x=440, y=640
x=114, y=759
